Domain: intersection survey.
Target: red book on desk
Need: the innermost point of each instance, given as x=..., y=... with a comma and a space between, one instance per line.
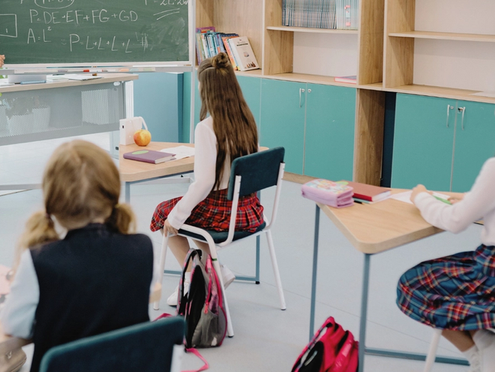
x=368, y=192
x=149, y=156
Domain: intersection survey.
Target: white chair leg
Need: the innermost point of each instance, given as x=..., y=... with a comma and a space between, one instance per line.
x=276, y=272
x=163, y=255
x=430, y=358
x=216, y=265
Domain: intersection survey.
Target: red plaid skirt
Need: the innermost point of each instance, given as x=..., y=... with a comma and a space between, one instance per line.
x=454, y=292
x=213, y=213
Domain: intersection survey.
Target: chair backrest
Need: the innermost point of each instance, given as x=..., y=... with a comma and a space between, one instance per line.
x=142, y=347
x=258, y=171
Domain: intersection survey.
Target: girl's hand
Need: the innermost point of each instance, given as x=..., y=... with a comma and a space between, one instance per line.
x=417, y=190
x=456, y=198
x=169, y=229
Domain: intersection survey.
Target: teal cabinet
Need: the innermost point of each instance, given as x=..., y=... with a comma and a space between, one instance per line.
x=440, y=142
x=314, y=122
x=158, y=98
x=474, y=142
x=283, y=112
x=423, y=142
x=330, y=122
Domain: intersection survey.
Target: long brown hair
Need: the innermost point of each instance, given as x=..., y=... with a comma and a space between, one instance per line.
x=233, y=121
x=80, y=184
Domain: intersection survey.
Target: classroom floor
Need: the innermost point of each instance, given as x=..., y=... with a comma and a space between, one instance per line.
x=266, y=338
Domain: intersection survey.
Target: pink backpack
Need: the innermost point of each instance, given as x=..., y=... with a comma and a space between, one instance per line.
x=332, y=349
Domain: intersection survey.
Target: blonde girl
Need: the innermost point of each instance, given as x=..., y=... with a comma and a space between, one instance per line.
x=98, y=276
x=229, y=132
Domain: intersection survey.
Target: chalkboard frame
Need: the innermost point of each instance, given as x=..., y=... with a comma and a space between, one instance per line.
x=137, y=65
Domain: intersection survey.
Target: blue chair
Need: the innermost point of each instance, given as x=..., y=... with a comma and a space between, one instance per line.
x=249, y=174
x=150, y=346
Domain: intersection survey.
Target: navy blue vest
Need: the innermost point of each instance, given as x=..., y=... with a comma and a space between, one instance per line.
x=94, y=280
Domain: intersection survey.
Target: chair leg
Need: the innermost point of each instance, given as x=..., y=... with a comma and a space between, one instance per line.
x=276, y=272
x=430, y=359
x=163, y=255
x=216, y=265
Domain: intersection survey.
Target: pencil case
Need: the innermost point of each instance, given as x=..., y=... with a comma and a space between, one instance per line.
x=334, y=194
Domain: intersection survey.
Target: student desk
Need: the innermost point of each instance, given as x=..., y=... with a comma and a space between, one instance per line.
x=132, y=171
x=371, y=229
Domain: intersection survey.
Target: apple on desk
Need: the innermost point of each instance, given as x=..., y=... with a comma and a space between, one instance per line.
x=142, y=137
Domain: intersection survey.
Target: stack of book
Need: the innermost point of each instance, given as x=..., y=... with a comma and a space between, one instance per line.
x=331, y=14
x=209, y=43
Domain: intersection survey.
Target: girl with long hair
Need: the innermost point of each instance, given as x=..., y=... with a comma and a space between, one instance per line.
x=227, y=133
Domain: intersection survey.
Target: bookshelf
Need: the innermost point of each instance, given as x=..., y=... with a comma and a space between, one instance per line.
x=278, y=50
x=444, y=49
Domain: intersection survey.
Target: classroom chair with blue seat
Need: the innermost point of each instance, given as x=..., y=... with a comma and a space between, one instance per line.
x=150, y=346
x=249, y=174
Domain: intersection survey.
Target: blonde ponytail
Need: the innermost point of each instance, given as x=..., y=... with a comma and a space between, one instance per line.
x=122, y=219
x=39, y=229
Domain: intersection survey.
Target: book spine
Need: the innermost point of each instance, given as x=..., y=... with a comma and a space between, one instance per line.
x=229, y=51
x=361, y=196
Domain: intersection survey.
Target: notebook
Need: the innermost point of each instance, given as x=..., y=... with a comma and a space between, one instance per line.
x=149, y=156
x=368, y=192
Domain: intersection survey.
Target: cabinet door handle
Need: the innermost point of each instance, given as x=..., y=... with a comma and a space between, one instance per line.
x=301, y=91
x=463, y=110
x=449, y=107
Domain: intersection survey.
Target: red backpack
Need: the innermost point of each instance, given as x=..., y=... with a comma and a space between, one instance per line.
x=332, y=349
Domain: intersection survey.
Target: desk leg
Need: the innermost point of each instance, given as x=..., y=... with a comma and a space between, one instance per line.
x=127, y=192
x=315, y=267
x=364, y=310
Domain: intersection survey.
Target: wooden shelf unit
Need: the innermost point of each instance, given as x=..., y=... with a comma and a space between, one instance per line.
x=399, y=50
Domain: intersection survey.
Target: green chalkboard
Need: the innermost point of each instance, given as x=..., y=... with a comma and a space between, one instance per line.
x=89, y=32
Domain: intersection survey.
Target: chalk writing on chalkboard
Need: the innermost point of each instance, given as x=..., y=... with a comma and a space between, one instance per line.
x=93, y=31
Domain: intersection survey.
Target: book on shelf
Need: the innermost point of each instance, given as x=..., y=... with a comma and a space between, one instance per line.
x=370, y=193
x=226, y=44
x=149, y=156
x=328, y=14
x=350, y=79
x=201, y=52
x=243, y=53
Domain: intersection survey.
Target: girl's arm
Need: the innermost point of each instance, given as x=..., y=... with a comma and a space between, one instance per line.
x=18, y=314
x=205, y=157
x=474, y=205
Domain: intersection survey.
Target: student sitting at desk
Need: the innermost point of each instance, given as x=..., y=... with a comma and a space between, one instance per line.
x=229, y=132
x=95, y=279
x=457, y=293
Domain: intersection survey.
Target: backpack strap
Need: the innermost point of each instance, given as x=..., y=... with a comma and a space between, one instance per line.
x=197, y=353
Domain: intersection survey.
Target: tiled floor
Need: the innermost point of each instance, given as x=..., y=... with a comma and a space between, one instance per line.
x=267, y=339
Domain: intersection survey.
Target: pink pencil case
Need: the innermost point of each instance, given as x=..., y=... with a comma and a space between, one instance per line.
x=334, y=194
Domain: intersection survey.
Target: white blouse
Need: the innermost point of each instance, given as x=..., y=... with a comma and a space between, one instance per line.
x=205, y=158
x=478, y=203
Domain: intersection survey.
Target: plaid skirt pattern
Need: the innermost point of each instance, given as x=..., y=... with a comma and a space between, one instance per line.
x=453, y=292
x=213, y=213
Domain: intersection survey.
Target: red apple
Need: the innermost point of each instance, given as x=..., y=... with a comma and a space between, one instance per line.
x=142, y=137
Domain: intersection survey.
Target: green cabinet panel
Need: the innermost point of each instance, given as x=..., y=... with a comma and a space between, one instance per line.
x=251, y=90
x=423, y=142
x=330, y=122
x=474, y=142
x=282, y=120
